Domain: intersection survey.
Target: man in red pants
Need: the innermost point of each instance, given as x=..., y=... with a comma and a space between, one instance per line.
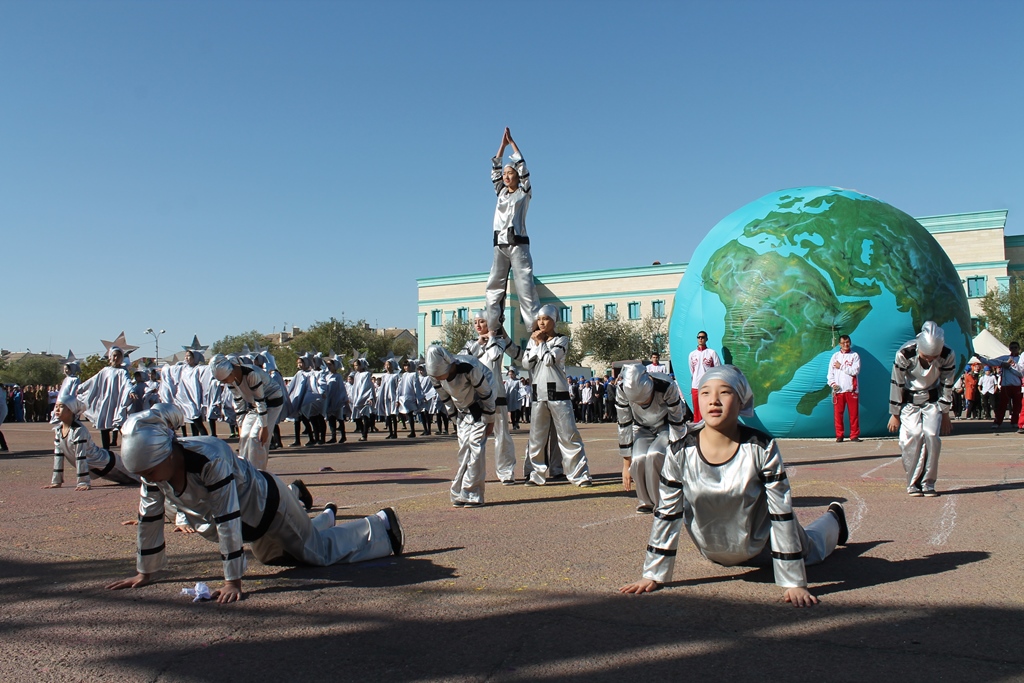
x=1009, y=386
x=842, y=377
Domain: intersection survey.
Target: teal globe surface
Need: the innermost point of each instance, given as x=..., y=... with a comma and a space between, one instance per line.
x=775, y=283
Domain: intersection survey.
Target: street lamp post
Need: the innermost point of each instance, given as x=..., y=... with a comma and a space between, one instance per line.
x=156, y=336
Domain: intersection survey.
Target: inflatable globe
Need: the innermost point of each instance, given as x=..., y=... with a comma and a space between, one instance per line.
x=775, y=283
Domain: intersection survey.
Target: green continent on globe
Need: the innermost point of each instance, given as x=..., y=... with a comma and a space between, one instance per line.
x=780, y=313
x=867, y=244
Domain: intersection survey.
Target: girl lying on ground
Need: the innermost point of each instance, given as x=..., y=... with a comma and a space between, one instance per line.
x=728, y=484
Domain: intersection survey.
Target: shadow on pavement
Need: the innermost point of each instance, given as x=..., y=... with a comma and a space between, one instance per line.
x=408, y=619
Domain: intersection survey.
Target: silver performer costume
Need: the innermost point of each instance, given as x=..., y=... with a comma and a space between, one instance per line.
x=467, y=395
x=409, y=393
x=651, y=417
x=362, y=394
x=193, y=389
x=511, y=246
x=257, y=401
x=736, y=513
x=90, y=461
x=552, y=409
x=304, y=390
x=491, y=354
x=919, y=396
x=104, y=396
x=230, y=502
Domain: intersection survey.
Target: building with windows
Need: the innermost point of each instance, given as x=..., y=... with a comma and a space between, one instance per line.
x=976, y=243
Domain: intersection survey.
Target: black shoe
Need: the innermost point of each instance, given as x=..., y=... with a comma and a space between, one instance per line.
x=837, y=510
x=304, y=495
x=333, y=508
x=410, y=436
x=839, y=439
x=311, y=442
x=395, y=533
x=508, y=482
x=855, y=439
x=332, y=440
x=295, y=444
x=362, y=438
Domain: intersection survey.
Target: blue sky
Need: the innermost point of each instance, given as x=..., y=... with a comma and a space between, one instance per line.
x=210, y=168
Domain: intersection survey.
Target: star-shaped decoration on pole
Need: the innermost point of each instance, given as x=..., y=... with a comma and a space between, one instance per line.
x=196, y=346
x=120, y=343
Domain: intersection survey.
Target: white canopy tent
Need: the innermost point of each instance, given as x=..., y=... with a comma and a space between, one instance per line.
x=987, y=345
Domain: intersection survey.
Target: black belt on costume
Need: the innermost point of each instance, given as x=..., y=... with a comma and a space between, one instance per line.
x=275, y=402
x=110, y=466
x=250, y=533
x=552, y=393
x=516, y=240
x=909, y=396
x=501, y=401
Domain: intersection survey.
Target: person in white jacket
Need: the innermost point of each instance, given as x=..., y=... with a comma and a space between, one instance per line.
x=843, y=369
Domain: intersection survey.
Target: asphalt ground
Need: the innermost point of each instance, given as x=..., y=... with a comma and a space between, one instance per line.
x=525, y=588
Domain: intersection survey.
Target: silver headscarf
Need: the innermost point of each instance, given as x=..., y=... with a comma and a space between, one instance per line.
x=635, y=384
x=931, y=339
x=732, y=376
x=147, y=438
x=112, y=349
x=221, y=366
x=71, y=402
x=438, y=360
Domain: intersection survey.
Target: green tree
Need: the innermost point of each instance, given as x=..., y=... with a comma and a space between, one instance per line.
x=344, y=335
x=455, y=334
x=575, y=354
x=33, y=370
x=611, y=339
x=234, y=343
x=1003, y=310
x=91, y=365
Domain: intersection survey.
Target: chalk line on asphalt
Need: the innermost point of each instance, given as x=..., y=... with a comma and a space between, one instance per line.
x=609, y=521
x=875, y=469
x=946, y=522
x=856, y=514
x=386, y=500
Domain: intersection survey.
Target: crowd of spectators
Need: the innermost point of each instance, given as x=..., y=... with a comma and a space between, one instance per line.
x=31, y=403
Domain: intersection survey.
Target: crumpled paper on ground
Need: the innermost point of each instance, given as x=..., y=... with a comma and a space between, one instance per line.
x=200, y=592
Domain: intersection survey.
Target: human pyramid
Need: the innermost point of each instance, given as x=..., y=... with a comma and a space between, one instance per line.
x=726, y=482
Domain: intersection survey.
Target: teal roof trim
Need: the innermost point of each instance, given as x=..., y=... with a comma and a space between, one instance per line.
x=981, y=264
x=957, y=222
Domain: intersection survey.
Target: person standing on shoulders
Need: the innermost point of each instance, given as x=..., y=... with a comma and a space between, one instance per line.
x=843, y=370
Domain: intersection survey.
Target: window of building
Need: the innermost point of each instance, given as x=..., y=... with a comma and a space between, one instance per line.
x=463, y=315
x=659, y=343
x=658, y=309
x=634, y=310
x=436, y=318
x=565, y=314
x=976, y=326
x=588, y=313
x=977, y=286
x=611, y=311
